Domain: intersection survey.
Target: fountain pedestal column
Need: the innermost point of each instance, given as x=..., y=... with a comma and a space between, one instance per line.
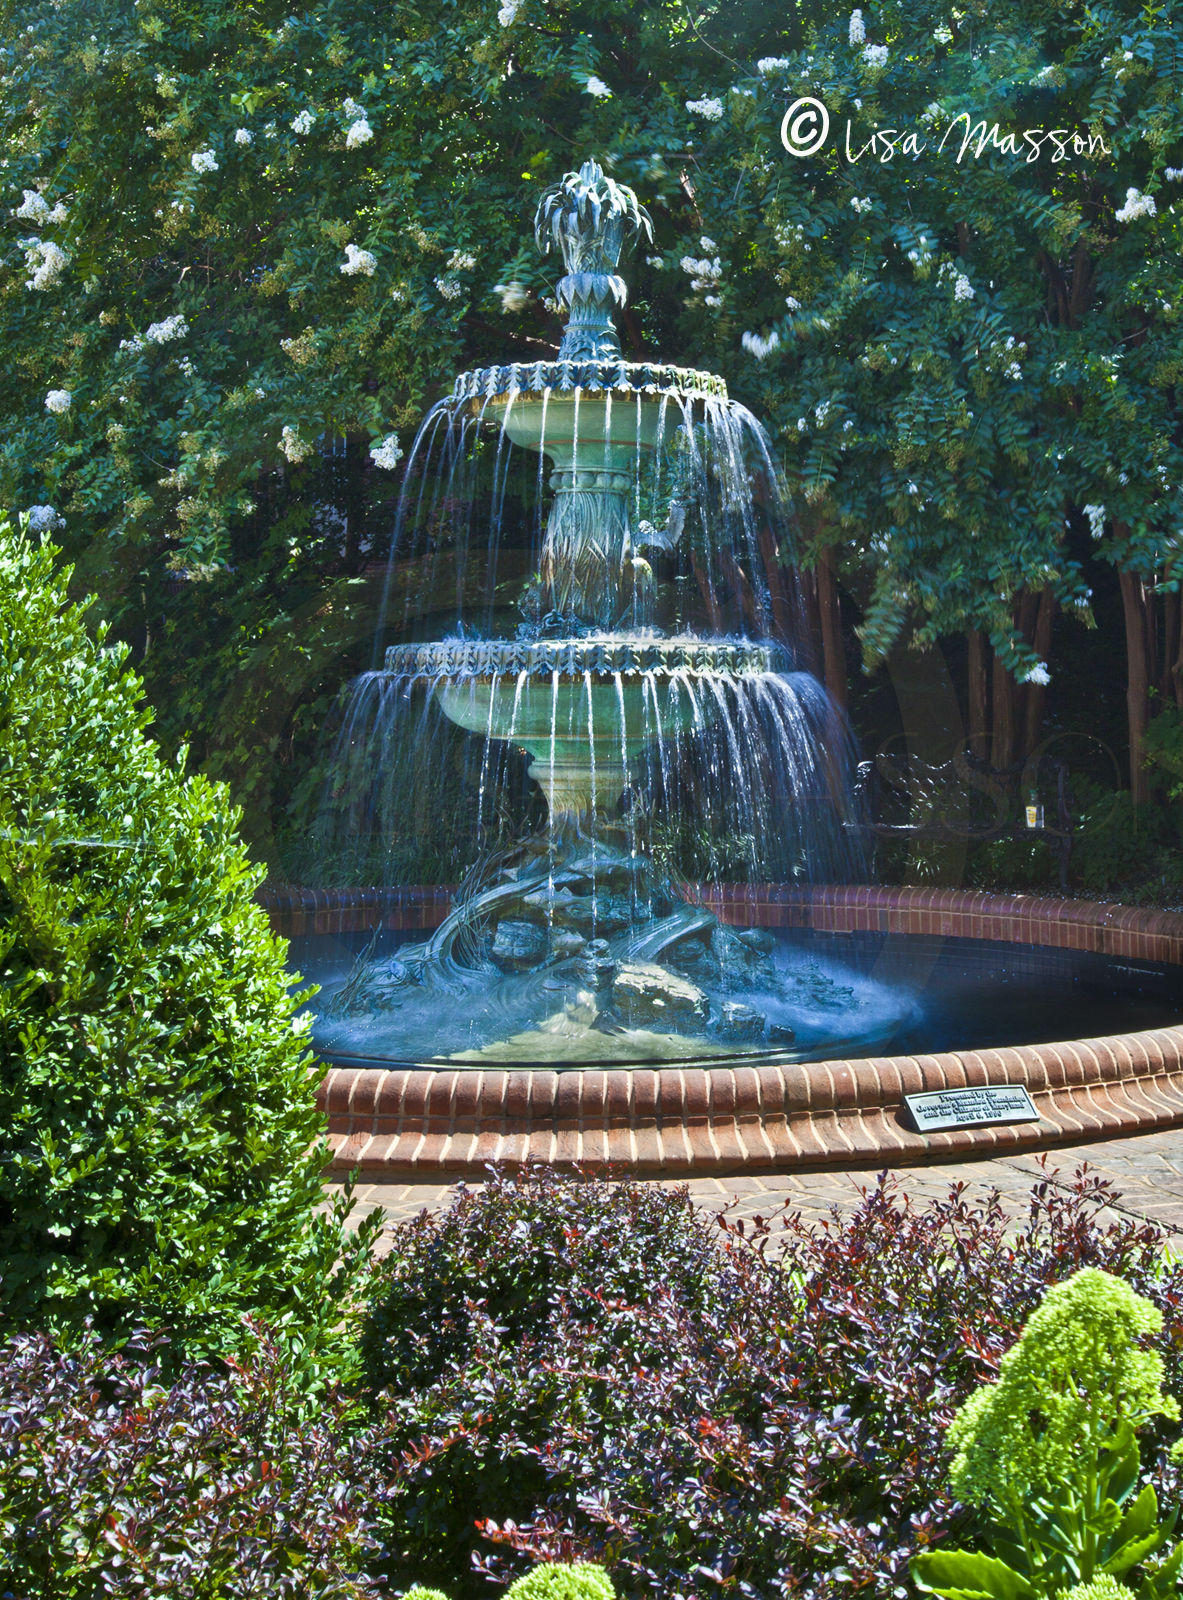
x=574, y=789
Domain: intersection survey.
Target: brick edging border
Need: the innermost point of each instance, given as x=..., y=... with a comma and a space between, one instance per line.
x=406, y=1122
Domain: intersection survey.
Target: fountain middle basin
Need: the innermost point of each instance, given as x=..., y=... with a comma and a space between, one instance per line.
x=584, y=709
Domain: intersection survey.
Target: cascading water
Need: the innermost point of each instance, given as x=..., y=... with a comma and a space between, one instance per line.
x=633, y=655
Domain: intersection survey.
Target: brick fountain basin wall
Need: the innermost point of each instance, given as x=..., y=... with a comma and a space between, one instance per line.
x=428, y=1122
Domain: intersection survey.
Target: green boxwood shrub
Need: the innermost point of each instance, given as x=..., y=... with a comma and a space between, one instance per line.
x=159, y=1159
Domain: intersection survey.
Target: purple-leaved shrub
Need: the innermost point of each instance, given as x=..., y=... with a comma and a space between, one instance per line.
x=571, y=1370
x=117, y=1483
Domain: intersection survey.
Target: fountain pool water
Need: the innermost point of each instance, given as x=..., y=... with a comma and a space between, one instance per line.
x=637, y=658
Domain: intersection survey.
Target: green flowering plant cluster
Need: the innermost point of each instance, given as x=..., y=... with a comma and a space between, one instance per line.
x=1048, y=1458
x=557, y=1580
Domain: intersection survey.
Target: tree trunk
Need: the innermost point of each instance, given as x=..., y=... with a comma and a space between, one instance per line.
x=740, y=584
x=1037, y=692
x=1025, y=615
x=813, y=623
x=979, y=727
x=1133, y=600
x=833, y=649
x=781, y=619
x=1002, y=751
x=707, y=589
x=1170, y=640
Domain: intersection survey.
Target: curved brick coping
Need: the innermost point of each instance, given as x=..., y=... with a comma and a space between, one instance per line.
x=1089, y=925
x=691, y=1121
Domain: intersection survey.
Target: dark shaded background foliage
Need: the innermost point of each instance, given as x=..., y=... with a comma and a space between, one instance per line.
x=583, y=1366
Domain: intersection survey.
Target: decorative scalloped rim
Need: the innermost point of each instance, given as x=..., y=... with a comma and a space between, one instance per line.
x=474, y=658
x=628, y=377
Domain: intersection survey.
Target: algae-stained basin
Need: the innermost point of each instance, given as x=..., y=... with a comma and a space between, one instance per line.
x=849, y=994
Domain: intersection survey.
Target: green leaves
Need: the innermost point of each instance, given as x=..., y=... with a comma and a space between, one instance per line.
x=160, y=1149
x=1049, y=1457
x=967, y=1575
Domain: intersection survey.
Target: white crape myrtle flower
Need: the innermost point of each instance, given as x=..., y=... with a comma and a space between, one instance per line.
x=704, y=274
x=295, y=448
x=597, y=88
x=33, y=208
x=135, y=344
x=655, y=261
x=821, y=413
x=243, y=136
x=507, y=12
x=514, y=295
x=1173, y=174
x=353, y=109
x=802, y=425
x=758, y=347
x=792, y=302
x=1014, y=370
x=942, y=33
x=450, y=288
x=461, y=261
x=43, y=519
x=875, y=55
x=861, y=205
x=1096, y=518
x=1136, y=205
x=303, y=122
x=360, y=132
x=163, y=332
x=767, y=65
x=708, y=244
x=1037, y=674
x=712, y=110
x=963, y=289
x=203, y=161
x=58, y=400
x=358, y=261
x=45, y=261
x=711, y=300
x=858, y=28
x=386, y=453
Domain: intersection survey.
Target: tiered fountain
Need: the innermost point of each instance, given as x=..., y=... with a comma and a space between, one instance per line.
x=637, y=650
x=571, y=945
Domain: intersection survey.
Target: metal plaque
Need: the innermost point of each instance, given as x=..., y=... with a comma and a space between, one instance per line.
x=970, y=1108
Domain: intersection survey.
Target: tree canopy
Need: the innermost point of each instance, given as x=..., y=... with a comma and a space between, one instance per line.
x=249, y=246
